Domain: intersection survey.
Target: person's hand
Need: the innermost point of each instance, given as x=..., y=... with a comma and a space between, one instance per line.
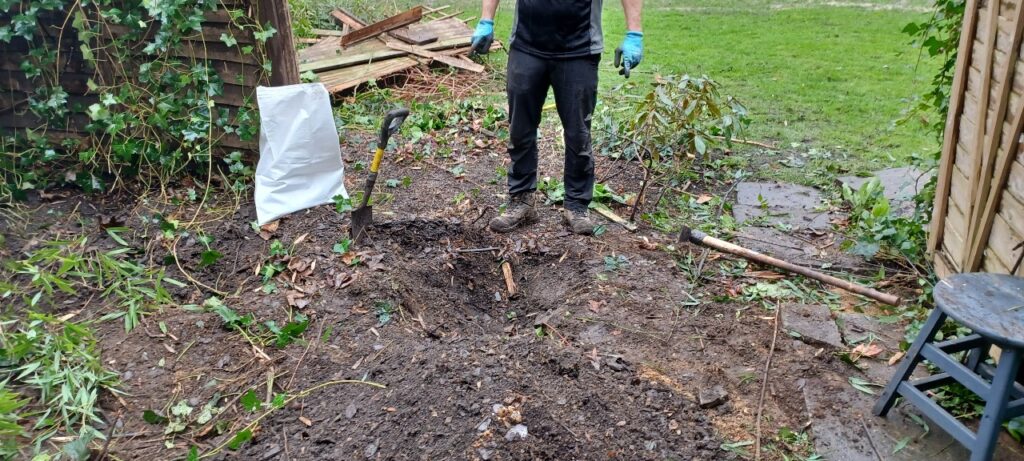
x=483, y=36
x=630, y=53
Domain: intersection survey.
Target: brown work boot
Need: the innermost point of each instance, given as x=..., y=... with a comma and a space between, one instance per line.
x=578, y=221
x=519, y=210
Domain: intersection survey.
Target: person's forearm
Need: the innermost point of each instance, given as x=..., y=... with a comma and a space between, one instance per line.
x=490, y=8
x=632, y=9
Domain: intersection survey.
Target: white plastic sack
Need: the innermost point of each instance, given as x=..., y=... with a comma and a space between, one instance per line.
x=300, y=157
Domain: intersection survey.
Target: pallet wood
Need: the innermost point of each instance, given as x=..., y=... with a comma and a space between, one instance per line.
x=454, y=61
x=351, y=77
x=415, y=34
x=950, y=136
x=370, y=31
x=378, y=55
x=346, y=19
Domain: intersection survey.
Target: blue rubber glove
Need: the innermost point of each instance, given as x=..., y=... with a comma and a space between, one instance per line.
x=483, y=36
x=630, y=53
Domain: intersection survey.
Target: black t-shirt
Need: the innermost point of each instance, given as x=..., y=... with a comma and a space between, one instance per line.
x=558, y=28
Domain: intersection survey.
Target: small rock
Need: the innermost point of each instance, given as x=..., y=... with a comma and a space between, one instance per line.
x=650, y=445
x=517, y=432
x=371, y=449
x=482, y=427
x=713, y=397
x=485, y=454
x=617, y=364
x=351, y=410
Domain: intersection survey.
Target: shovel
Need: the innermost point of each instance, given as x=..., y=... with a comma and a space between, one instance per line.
x=362, y=217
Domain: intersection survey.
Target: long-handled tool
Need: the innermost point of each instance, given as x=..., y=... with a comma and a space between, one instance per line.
x=700, y=238
x=362, y=217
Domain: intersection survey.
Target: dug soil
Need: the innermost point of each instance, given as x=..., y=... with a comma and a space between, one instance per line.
x=608, y=347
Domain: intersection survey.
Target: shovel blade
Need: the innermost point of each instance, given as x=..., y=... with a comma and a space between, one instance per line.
x=361, y=220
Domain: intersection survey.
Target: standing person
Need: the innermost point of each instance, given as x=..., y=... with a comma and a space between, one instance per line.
x=555, y=44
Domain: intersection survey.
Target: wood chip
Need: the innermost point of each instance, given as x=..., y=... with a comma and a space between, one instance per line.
x=306, y=421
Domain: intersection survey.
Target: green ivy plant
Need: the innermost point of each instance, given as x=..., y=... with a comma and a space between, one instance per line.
x=148, y=108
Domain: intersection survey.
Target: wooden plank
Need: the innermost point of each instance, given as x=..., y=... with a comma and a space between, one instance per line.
x=328, y=33
x=284, y=68
x=348, y=61
x=454, y=61
x=344, y=18
x=949, y=142
x=1003, y=239
x=399, y=20
x=986, y=200
x=350, y=77
x=982, y=123
x=415, y=34
x=985, y=217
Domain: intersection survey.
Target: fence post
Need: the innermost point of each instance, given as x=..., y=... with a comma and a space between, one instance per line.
x=281, y=47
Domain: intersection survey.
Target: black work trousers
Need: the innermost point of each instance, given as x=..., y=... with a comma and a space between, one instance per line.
x=574, y=81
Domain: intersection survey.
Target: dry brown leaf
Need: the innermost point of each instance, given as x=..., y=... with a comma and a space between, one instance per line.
x=306, y=421
x=267, y=230
x=302, y=238
x=867, y=350
x=647, y=244
x=595, y=305
x=896, y=358
x=704, y=198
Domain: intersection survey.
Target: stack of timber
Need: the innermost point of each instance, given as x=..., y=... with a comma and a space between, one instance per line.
x=360, y=52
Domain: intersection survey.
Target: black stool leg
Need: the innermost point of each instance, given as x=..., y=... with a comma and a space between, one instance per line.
x=909, y=362
x=977, y=356
x=995, y=407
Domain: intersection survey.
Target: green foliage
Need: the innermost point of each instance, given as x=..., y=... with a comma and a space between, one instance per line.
x=10, y=406
x=55, y=363
x=679, y=118
x=877, y=229
x=59, y=269
x=291, y=331
x=147, y=111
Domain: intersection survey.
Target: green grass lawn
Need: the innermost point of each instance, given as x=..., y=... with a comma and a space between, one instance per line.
x=812, y=74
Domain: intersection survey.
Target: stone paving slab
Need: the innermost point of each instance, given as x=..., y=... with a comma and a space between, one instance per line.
x=900, y=184
x=783, y=204
x=813, y=323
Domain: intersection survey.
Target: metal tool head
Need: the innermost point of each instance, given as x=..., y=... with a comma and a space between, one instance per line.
x=362, y=218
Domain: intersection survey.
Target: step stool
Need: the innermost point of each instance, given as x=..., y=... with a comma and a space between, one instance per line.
x=992, y=307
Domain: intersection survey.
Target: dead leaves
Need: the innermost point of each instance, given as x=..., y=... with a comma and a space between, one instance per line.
x=267, y=230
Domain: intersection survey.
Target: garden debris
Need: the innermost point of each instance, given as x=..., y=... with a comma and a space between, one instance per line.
x=713, y=396
x=362, y=53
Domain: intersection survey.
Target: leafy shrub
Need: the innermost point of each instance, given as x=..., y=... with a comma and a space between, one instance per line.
x=679, y=118
x=877, y=229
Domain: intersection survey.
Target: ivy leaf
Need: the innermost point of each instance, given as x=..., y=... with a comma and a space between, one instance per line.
x=209, y=257
x=5, y=34
x=239, y=438
x=279, y=401
x=152, y=417
x=250, y=401
x=265, y=34
x=228, y=40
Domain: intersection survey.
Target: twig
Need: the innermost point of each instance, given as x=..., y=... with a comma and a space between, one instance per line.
x=106, y=443
x=764, y=384
x=747, y=142
x=303, y=356
x=477, y=250
x=870, y=440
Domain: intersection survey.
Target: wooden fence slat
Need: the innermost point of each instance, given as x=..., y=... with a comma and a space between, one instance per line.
x=950, y=136
x=986, y=199
x=400, y=20
x=981, y=127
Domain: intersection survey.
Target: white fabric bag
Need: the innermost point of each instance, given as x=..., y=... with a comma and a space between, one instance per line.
x=300, y=156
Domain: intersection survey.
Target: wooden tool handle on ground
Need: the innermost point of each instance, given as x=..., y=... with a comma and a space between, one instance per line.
x=698, y=237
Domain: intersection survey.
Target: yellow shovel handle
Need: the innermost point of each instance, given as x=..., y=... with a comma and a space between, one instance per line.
x=377, y=157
